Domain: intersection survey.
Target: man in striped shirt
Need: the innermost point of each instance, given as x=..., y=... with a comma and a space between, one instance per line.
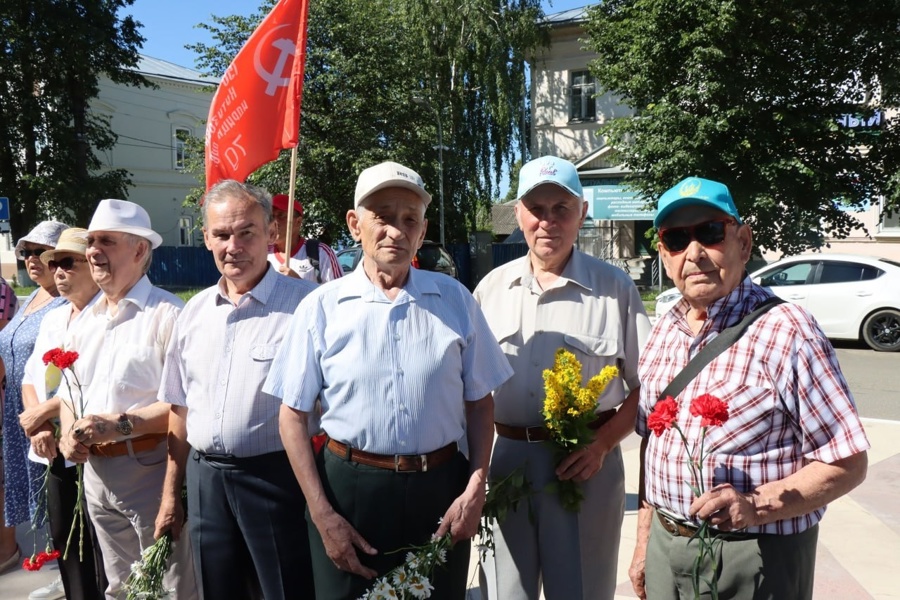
x=792, y=441
x=310, y=259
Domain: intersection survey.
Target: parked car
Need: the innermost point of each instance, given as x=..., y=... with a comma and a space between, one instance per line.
x=431, y=257
x=852, y=297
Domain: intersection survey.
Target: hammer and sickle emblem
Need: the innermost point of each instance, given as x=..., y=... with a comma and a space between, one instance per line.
x=273, y=78
x=689, y=187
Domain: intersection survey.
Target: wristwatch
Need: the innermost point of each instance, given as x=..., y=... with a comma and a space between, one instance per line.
x=124, y=424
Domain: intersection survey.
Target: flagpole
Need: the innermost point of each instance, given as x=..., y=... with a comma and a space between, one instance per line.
x=290, y=208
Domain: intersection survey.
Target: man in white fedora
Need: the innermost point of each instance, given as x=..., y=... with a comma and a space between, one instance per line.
x=120, y=429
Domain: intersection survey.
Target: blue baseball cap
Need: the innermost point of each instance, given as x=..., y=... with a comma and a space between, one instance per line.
x=549, y=169
x=695, y=191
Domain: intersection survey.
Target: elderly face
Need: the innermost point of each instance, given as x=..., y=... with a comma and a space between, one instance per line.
x=706, y=273
x=238, y=236
x=116, y=259
x=37, y=271
x=550, y=218
x=73, y=275
x=391, y=227
x=281, y=220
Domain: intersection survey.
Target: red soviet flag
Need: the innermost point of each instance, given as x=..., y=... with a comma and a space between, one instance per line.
x=256, y=110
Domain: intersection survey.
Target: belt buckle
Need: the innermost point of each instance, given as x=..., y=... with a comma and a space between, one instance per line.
x=528, y=435
x=423, y=458
x=673, y=526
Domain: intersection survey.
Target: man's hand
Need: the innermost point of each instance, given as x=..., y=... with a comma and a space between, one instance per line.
x=170, y=517
x=286, y=270
x=636, y=572
x=341, y=541
x=726, y=508
x=583, y=464
x=32, y=418
x=461, y=519
x=43, y=441
x=72, y=448
x=95, y=429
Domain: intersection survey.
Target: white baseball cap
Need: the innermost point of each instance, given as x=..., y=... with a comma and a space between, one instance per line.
x=386, y=175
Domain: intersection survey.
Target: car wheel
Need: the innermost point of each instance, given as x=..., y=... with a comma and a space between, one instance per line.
x=881, y=330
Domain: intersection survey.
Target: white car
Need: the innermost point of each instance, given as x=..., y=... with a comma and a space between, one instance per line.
x=852, y=297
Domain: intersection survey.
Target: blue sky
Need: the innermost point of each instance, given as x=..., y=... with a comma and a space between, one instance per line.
x=169, y=24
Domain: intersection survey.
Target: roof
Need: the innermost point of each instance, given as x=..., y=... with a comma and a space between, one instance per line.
x=567, y=17
x=156, y=67
x=503, y=218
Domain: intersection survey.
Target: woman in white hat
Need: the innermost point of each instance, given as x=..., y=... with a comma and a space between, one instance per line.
x=22, y=477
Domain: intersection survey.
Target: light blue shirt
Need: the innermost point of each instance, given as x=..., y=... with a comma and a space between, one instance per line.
x=218, y=361
x=392, y=376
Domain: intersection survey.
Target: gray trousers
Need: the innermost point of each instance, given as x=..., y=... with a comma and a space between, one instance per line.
x=123, y=495
x=569, y=555
x=768, y=567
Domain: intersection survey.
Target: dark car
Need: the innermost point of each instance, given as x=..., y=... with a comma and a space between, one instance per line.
x=431, y=257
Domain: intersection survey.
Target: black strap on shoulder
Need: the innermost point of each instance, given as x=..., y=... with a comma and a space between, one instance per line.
x=312, y=253
x=718, y=345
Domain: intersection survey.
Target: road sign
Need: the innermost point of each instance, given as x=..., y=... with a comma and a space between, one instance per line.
x=4, y=209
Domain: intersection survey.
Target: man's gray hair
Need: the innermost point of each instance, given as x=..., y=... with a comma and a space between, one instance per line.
x=134, y=240
x=229, y=188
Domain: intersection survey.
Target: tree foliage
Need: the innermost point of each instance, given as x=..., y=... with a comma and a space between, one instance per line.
x=750, y=92
x=52, y=55
x=366, y=62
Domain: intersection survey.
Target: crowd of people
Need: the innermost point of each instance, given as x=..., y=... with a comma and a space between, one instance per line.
x=317, y=423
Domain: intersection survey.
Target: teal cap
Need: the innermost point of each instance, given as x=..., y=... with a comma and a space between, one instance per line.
x=695, y=191
x=549, y=169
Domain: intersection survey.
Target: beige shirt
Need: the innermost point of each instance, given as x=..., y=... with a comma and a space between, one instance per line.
x=593, y=310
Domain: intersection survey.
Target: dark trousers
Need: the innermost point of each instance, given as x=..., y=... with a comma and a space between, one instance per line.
x=247, y=527
x=82, y=579
x=391, y=511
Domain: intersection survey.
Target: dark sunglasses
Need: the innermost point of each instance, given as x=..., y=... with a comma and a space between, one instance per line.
x=66, y=264
x=36, y=252
x=708, y=233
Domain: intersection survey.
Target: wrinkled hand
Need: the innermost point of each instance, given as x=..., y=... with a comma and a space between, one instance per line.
x=462, y=518
x=583, y=464
x=286, y=270
x=43, y=441
x=72, y=448
x=31, y=419
x=637, y=573
x=94, y=429
x=170, y=517
x=341, y=541
x=726, y=508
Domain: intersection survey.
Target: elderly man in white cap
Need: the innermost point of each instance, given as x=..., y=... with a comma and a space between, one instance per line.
x=558, y=297
x=116, y=424
x=404, y=365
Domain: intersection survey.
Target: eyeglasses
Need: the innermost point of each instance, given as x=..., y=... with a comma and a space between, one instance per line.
x=708, y=233
x=27, y=252
x=66, y=264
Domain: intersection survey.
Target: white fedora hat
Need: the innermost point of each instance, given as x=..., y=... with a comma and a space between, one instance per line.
x=124, y=216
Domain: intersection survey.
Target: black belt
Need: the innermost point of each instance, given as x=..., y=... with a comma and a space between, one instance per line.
x=688, y=530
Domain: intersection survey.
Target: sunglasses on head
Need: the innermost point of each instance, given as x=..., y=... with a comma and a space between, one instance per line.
x=66, y=264
x=27, y=252
x=708, y=233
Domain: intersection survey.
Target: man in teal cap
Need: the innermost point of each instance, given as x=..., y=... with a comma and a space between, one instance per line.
x=790, y=442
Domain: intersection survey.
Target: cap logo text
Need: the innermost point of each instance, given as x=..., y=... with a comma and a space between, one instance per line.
x=689, y=187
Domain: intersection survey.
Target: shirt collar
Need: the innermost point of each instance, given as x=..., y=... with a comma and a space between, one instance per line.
x=576, y=272
x=138, y=295
x=358, y=285
x=729, y=309
x=260, y=292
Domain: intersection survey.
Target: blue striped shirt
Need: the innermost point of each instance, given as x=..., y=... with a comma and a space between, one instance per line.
x=392, y=376
x=219, y=359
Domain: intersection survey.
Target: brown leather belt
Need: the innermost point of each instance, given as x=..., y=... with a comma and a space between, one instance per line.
x=401, y=463
x=688, y=530
x=141, y=443
x=539, y=433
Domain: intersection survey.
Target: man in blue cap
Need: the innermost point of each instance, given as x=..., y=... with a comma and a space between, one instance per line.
x=558, y=297
x=789, y=443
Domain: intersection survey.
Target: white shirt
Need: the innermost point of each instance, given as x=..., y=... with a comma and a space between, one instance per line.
x=121, y=357
x=329, y=268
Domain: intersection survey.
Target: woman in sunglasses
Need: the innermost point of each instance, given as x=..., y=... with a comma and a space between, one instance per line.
x=22, y=478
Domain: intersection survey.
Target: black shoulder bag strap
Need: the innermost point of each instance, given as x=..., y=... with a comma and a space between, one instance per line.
x=312, y=253
x=721, y=343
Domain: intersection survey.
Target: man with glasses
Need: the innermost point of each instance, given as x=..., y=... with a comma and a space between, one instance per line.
x=792, y=441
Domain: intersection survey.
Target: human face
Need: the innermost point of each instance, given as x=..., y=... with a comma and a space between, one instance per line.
x=391, y=227
x=76, y=279
x=281, y=221
x=37, y=271
x=116, y=260
x=237, y=234
x=705, y=274
x=550, y=218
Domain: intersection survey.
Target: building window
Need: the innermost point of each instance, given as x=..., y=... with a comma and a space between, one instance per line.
x=889, y=224
x=181, y=151
x=186, y=231
x=584, y=105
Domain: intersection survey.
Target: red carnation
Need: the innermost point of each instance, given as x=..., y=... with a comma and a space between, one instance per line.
x=663, y=416
x=31, y=565
x=50, y=355
x=713, y=410
x=53, y=555
x=64, y=360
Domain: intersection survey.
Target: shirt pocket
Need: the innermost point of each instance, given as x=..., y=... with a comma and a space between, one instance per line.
x=137, y=369
x=592, y=347
x=263, y=352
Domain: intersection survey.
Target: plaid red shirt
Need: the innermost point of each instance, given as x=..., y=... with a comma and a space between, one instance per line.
x=788, y=403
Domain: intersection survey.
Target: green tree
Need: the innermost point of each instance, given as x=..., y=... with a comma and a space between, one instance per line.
x=366, y=62
x=52, y=55
x=751, y=92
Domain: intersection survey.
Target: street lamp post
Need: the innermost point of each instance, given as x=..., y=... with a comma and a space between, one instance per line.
x=440, y=149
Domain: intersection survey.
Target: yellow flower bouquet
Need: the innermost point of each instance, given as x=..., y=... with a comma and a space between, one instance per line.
x=568, y=411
